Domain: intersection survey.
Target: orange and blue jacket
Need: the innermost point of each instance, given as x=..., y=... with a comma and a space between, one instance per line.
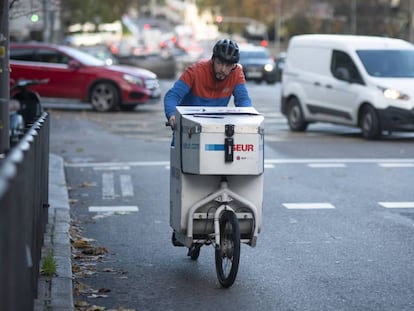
x=197, y=86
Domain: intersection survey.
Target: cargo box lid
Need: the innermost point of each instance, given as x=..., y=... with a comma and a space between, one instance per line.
x=214, y=119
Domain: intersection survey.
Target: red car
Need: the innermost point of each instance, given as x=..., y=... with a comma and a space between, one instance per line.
x=74, y=74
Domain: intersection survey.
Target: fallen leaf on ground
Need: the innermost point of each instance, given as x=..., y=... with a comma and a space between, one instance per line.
x=81, y=243
x=79, y=304
x=99, y=250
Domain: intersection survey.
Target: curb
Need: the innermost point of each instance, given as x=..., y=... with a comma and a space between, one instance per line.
x=55, y=293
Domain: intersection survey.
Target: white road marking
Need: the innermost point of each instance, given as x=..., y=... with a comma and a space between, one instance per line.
x=397, y=204
x=108, y=190
x=326, y=165
x=308, y=205
x=96, y=165
x=111, y=168
x=113, y=209
x=396, y=164
x=127, y=189
x=336, y=160
x=383, y=161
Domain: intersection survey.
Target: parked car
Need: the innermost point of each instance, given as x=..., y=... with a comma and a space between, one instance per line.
x=257, y=64
x=74, y=74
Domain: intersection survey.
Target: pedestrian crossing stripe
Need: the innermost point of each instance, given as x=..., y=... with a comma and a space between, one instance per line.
x=127, y=188
x=108, y=185
x=108, y=190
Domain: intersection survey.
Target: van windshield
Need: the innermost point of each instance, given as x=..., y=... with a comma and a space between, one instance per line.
x=388, y=63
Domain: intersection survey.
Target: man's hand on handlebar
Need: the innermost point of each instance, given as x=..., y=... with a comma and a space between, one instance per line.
x=171, y=122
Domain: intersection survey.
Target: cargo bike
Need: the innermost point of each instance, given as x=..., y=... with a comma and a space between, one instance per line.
x=216, y=183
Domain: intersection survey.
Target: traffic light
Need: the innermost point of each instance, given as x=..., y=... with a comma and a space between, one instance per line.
x=34, y=18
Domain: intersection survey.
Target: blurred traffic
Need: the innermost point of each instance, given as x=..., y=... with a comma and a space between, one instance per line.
x=118, y=65
x=257, y=64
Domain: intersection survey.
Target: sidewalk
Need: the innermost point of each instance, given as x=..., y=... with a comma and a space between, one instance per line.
x=55, y=294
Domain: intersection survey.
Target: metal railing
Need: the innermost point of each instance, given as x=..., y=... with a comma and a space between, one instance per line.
x=24, y=181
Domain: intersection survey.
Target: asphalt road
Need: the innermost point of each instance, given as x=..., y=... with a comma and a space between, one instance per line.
x=338, y=217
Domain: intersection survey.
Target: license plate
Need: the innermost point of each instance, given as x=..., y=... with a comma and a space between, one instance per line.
x=253, y=74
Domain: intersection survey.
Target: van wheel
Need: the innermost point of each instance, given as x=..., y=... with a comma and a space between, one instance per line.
x=369, y=122
x=295, y=116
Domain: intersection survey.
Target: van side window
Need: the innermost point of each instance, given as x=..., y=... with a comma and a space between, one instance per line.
x=343, y=68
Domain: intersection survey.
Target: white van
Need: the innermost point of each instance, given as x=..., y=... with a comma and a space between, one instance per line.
x=361, y=81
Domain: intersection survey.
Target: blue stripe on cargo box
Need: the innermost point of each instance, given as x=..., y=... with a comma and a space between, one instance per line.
x=214, y=147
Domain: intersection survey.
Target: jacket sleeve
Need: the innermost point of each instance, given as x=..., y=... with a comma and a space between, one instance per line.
x=174, y=96
x=241, y=96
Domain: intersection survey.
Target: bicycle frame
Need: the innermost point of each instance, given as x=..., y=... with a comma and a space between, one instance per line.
x=223, y=195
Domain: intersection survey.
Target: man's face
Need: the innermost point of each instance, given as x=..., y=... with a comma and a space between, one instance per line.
x=221, y=69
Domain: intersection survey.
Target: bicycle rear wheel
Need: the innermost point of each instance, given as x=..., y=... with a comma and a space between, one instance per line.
x=228, y=252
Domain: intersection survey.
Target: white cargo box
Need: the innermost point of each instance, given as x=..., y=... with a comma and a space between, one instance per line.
x=220, y=140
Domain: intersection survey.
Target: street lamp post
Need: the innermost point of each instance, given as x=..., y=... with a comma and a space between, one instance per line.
x=4, y=76
x=411, y=21
x=278, y=24
x=353, y=17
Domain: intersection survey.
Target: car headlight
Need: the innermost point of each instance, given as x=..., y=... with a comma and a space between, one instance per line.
x=133, y=80
x=393, y=94
x=268, y=67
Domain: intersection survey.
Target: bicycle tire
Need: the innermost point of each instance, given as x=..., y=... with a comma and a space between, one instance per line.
x=227, y=254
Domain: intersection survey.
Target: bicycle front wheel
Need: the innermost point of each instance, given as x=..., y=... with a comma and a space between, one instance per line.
x=228, y=252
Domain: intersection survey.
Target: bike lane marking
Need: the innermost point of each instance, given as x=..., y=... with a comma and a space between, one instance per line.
x=395, y=165
x=113, y=209
x=321, y=205
x=397, y=204
x=326, y=165
x=108, y=190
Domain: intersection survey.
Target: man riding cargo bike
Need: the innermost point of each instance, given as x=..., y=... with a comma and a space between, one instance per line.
x=216, y=160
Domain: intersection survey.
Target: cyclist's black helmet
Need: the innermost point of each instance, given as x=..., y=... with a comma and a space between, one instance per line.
x=227, y=51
